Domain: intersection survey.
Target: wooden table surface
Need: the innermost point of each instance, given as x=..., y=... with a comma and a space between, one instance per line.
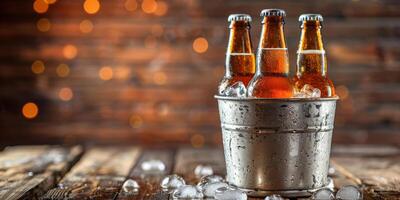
x=56, y=172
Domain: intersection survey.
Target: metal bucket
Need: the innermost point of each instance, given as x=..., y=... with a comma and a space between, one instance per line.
x=279, y=146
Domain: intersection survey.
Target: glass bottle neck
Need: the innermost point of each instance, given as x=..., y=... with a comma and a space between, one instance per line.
x=239, y=54
x=311, y=58
x=272, y=55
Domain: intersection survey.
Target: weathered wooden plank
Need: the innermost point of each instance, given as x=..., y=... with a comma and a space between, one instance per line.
x=377, y=170
x=98, y=175
x=188, y=159
x=149, y=181
x=27, y=172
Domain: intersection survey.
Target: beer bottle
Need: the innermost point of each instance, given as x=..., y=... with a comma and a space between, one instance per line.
x=311, y=58
x=271, y=79
x=239, y=63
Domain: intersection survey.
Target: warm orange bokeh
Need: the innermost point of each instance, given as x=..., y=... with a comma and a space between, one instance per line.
x=65, y=94
x=70, y=51
x=38, y=67
x=43, y=24
x=30, y=110
x=106, y=73
x=91, y=6
x=200, y=45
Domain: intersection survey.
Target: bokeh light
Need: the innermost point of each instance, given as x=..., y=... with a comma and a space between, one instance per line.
x=131, y=5
x=91, y=6
x=40, y=6
x=162, y=8
x=30, y=110
x=342, y=92
x=38, y=67
x=62, y=70
x=200, y=45
x=160, y=78
x=106, y=73
x=149, y=6
x=70, y=51
x=86, y=26
x=197, y=140
x=43, y=24
x=65, y=94
x=135, y=121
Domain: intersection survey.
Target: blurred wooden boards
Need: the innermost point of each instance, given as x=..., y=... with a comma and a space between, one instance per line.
x=27, y=172
x=377, y=169
x=101, y=171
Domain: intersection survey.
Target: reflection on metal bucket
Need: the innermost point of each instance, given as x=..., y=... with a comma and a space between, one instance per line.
x=277, y=144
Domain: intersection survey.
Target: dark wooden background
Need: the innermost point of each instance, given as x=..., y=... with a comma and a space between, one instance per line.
x=161, y=91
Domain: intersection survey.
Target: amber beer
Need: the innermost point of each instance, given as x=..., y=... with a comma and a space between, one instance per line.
x=271, y=79
x=311, y=58
x=239, y=63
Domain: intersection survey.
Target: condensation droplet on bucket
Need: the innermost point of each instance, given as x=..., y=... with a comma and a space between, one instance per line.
x=349, y=192
x=203, y=170
x=130, y=186
x=172, y=182
x=273, y=197
x=209, y=179
x=153, y=165
x=229, y=193
x=187, y=192
x=210, y=188
x=323, y=193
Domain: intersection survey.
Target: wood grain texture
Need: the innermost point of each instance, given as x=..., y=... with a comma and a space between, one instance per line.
x=98, y=175
x=27, y=172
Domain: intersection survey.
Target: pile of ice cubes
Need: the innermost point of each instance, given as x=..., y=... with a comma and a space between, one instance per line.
x=213, y=186
x=238, y=89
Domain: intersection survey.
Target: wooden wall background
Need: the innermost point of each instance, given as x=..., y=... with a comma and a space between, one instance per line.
x=160, y=90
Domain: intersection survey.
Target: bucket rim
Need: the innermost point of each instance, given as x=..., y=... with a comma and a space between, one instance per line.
x=219, y=97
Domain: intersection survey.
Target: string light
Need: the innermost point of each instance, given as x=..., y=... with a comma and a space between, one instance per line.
x=62, y=70
x=70, y=51
x=131, y=5
x=38, y=67
x=162, y=8
x=43, y=24
x=86, y=26
x=197, y=140
x=160, y=78
x=200, y=45
x=106, y=73
x=135, y=121
x=30, y=110
x=40, y=6
x=91, y=6
x=65, y=94
x=149, y=6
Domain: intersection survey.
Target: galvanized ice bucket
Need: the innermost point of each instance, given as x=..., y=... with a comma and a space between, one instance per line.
x=278, y=146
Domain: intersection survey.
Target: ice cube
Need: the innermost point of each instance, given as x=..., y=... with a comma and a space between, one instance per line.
x=273, y=197
x=187, y=192
x=130, y=186
x=153, y=165
x=172, y=182
x=210, y=188
x=237, y=89
x=203, y=170
x=324, y=193
x=229, y=193
x=308, y=91
x=209, y=179
x=349, y=192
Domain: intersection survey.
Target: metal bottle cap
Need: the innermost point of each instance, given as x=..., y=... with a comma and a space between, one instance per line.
x=273, y=12
x=239, y=17
x=311, y=17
